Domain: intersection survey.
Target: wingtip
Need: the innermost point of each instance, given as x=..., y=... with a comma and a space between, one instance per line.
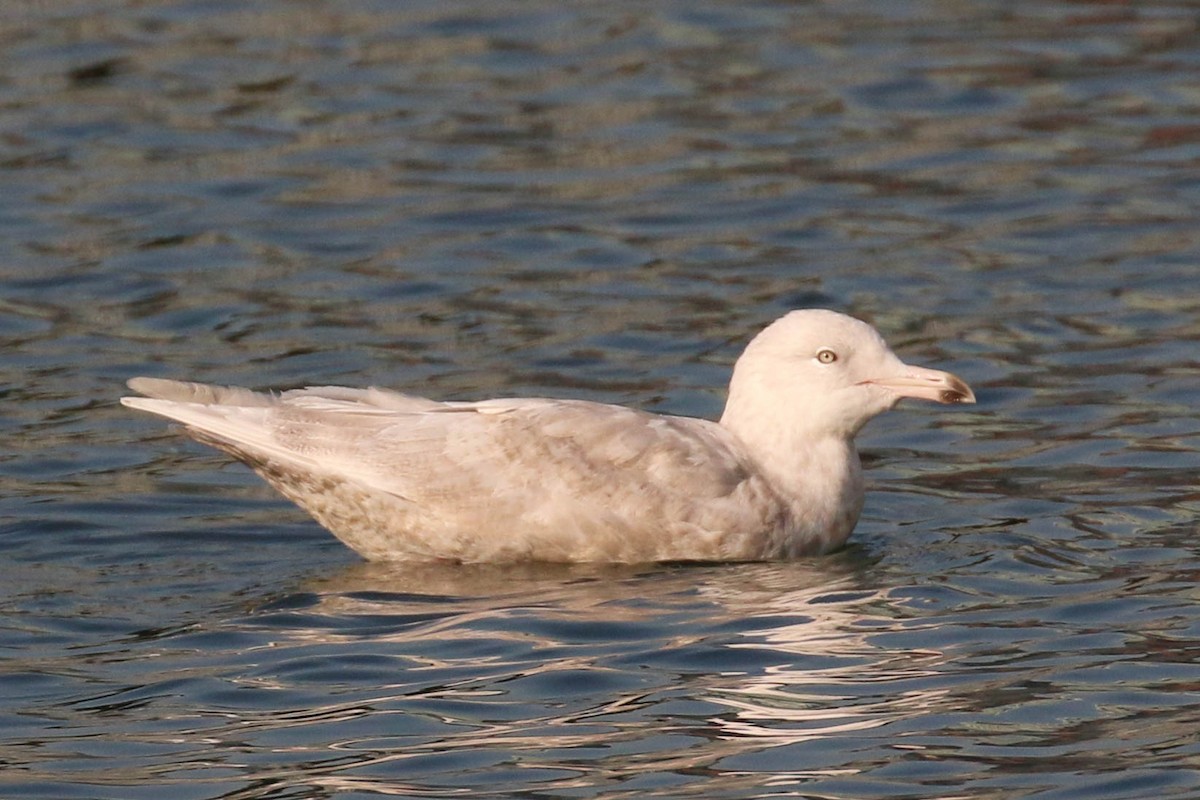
x=141, y=385
x=197, y=393
x=158, y=391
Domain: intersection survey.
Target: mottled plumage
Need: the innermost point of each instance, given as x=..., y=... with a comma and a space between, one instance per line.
x=402, y=477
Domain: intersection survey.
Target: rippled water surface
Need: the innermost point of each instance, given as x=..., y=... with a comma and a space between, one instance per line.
x=602, y=201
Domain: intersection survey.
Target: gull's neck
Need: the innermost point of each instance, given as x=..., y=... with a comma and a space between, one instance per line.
x=815, y=470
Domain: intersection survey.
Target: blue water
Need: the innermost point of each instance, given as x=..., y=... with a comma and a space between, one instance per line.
x=469, y=199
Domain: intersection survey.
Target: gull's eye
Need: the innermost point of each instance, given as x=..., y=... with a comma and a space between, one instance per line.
x=826, y=356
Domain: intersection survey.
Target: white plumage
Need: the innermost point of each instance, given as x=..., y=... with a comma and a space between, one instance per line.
x=398, y=477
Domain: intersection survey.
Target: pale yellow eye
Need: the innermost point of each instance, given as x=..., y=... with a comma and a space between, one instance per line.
x=826, y=356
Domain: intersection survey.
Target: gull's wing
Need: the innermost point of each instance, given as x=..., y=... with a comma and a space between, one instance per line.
x=519, y=478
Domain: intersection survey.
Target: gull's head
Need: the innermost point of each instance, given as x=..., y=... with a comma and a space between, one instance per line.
x=827, y=373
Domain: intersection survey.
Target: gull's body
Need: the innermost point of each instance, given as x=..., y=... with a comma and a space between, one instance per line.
x=398, y=477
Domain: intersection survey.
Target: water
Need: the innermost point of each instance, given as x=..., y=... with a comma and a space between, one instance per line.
x=475, y=199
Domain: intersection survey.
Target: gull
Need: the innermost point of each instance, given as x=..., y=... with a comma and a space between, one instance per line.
x=403, y=478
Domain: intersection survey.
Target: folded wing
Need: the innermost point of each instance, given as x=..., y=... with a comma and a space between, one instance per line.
x=401, y=476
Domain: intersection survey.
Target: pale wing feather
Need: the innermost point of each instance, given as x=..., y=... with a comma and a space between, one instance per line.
x=501, y=447
x=582, y=477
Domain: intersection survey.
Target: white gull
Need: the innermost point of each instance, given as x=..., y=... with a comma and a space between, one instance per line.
x=398, y=477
